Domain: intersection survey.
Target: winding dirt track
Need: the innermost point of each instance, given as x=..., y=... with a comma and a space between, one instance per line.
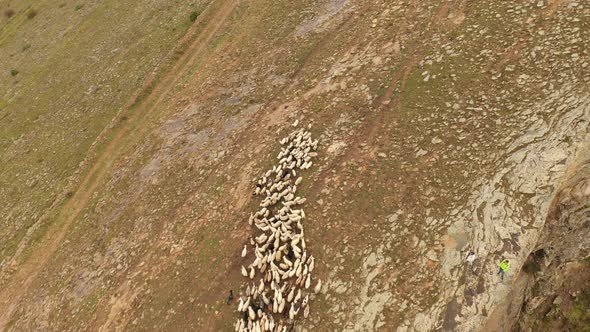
x=124, y=136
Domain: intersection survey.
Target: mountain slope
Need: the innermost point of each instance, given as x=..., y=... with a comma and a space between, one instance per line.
x=444, y=126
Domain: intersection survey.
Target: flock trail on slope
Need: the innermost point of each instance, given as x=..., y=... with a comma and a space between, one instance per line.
x=280, y=261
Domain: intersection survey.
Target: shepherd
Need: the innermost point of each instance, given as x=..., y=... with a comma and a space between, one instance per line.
x=504, y=266
x=230, y=298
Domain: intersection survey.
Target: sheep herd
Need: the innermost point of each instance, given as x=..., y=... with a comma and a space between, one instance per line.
x=281, y=263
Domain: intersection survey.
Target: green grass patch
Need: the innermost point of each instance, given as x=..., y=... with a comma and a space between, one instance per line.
x=579, y=316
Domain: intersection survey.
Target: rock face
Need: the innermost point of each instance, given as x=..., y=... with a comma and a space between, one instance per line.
x=556, y=295
x=506, y=214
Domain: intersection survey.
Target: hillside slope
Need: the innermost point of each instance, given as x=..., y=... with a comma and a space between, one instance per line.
x=131, y=138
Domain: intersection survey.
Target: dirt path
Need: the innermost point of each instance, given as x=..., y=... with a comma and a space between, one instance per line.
x=125, y=136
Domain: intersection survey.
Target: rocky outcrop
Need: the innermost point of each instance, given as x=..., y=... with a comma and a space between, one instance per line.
x=557, y=295
x=507, y=213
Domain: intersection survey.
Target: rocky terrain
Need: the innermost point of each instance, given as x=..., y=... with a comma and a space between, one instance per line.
x=132, y=136
x=553, y=295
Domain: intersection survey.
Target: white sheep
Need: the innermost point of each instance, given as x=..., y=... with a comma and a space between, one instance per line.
x=318, y=287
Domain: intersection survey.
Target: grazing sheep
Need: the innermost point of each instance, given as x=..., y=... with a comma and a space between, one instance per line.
x=251, y=314
x=318, y=287
x=240, y=304
x=291, y=294
x=261, y=286
x=287, y=261
x=298, y=296
x=279, y=240
x=244, y=272
x=298, y=271
x=246, y=305
x=305, y=300
x=291, y=273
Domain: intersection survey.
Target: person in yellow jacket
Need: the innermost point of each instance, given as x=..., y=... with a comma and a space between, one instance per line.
x=504, y=266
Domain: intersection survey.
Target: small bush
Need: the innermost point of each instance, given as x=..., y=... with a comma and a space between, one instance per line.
x=539, y=254
x=194, y=15
x=31, y=14
x=13, y=72
x=78, y=7
x=26, y=47
x=8, y=12
x=69, y=194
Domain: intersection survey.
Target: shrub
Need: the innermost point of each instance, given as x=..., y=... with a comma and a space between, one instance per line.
x=8, y=12
x=26, y=47
x=13, y=72
x=78, y=7
x=31, y=14
x=194, y=15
